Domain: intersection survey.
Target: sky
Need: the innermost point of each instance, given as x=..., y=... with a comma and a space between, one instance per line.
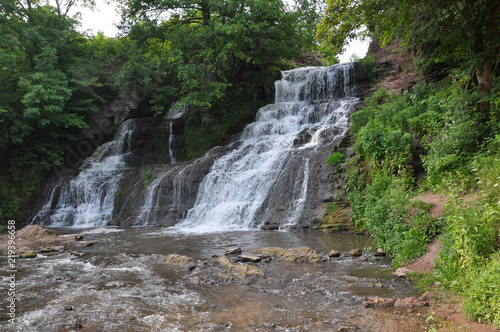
x=105, y=17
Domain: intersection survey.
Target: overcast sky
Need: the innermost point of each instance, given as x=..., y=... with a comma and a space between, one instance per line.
x=105, y=18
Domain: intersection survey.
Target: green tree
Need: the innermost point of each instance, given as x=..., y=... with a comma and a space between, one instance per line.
x=209, y=42
x=49, y=88
x=457, y=30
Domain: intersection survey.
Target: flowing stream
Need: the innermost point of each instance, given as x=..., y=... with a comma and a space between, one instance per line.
x=123, y=283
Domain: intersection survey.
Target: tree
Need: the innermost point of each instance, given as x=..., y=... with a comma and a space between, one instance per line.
x=47, y=88
x=210, y=41
x=458, y=29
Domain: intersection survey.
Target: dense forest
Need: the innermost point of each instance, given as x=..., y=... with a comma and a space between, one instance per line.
x=221, y=57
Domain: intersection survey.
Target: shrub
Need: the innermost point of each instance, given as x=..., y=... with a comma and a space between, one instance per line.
x=482, y=301
x=335, y=158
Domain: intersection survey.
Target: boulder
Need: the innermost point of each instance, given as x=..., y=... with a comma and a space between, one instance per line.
x=237, y=271
x=374, y=301
x=234, y=251
x=301, y=254
x=401, y=272
x=334, y=253
x=52, y=249
x=380, y=252
x=35, y=232
x=410, y=302
x=356, y=252
x=250, y=258
x=29, y=254
x=407, y=302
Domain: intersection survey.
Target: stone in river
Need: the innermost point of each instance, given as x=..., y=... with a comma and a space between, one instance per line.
x=175, y=259
x=234, y=251
x=356, y=252
x=334, y=253
x=250, y=258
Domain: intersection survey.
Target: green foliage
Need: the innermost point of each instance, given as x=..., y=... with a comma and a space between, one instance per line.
x=51, y=85
x=118, y=196
x=331, y=207
x=482, y=300
x=371, y=73
x=335, y=158
x=444, y=31
x=147, y=176
x=205, y=46
x=423, y=281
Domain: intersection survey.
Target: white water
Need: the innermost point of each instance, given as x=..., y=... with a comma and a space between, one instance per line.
x=174, y=113
x=88, y=199
x=230, y=196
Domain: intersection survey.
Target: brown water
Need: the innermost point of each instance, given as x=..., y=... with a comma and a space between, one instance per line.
x=122, y=284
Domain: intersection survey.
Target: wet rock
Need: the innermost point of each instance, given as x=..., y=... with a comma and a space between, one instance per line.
x=362, y=259
x=250, y=258
x=374, y=301
x=68, y=308
x=407, y=302
x=75, y=253
x=175, y=259
x=401, y=272
x=234, y=251
x=356, y=252
x=192, y=266
x=29, y=254
x=78, y=237
x=380, y=252
x=301, y=254
x=237, y=271
x=334, y=253
x=410, y=302
x=87, y=243
x=35, y=232
x=52, y=249
x=427, y=296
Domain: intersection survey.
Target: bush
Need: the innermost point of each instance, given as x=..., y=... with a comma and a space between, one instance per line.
x=482, y=301
x=335, y=158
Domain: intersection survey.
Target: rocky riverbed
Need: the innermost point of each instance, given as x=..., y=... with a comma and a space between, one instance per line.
x=152, y=279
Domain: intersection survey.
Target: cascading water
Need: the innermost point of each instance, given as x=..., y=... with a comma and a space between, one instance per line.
x=273, y=177
x=312, y=106
x=88, y=199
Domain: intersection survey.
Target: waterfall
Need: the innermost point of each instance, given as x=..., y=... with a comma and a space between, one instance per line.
x=274, y=176
x=312, y=109
x=175, y=113
x=88, y=199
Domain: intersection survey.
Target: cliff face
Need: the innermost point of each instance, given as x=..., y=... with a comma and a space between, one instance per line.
x=397, y=72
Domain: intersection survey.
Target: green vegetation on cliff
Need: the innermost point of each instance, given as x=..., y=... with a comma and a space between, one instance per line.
x=441, y=137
